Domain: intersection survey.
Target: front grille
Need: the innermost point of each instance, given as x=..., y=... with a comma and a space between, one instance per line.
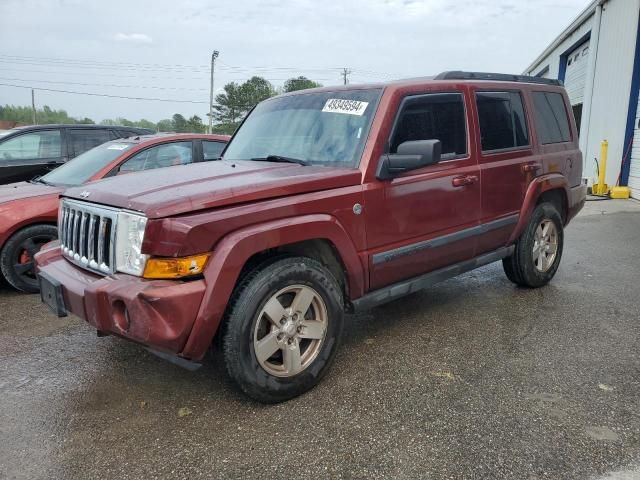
x=87, y=235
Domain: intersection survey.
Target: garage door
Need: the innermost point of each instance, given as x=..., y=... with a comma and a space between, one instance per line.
x=634, y=171
x=576, y=73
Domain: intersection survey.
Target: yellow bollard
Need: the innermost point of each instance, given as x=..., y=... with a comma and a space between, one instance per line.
x=602, y=188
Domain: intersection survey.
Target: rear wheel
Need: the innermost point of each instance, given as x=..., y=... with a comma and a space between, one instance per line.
x=282, y=329
x=538, y=250
x=16, y=258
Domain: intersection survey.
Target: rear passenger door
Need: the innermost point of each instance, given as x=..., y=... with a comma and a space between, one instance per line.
x=505, y=150
x=427, y=218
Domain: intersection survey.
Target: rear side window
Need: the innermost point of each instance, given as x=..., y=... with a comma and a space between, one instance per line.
x=212, y=150
x=436, y=116
x=82, y=140
x=552, y=123
x=502, y=120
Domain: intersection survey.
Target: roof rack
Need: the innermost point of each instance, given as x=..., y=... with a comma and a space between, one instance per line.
x=501, y=77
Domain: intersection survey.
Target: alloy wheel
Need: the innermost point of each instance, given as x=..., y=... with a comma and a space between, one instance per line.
x=290, y=330
x=545, y=245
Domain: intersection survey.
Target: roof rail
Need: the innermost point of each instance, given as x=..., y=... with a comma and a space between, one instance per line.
x=501, y=77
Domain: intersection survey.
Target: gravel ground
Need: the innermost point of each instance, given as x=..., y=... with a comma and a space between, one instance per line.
x=474, y=378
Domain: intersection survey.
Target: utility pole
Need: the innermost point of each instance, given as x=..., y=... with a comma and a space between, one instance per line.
x=345, y=72
x=33, y=106
x=214, y=55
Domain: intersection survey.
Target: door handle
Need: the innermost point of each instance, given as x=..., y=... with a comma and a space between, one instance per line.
x=462, y=181
x=531, y=167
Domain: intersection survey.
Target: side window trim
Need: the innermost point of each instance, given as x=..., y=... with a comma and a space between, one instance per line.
x=494, y=151
x=412, y=96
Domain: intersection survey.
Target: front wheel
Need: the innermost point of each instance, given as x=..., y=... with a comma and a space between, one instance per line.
x=16, y=258
x=538, y=250
x=282, y=329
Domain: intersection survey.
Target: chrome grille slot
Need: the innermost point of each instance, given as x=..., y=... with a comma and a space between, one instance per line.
x=87, y=235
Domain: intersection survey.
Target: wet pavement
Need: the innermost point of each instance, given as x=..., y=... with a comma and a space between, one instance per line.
x=474, y=378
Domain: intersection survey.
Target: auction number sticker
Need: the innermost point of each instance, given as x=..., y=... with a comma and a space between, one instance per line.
x=350, y=107
x=118, y=146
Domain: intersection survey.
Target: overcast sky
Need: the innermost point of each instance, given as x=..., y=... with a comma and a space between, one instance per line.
x=116, y=47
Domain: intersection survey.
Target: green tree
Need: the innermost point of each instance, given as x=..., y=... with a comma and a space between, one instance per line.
x=144, y=123
x=124, y=122
x=195, y=125
x=44, y=115
x=299, y=83
x=180, y=123
x=236, y=101
x=108, y=122
x=166, y=125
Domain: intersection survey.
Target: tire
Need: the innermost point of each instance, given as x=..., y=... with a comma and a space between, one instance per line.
x=247, y=329
x=535, y=269
x=16, y=258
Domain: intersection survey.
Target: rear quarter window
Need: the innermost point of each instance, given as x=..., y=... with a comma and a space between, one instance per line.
x=552, y=123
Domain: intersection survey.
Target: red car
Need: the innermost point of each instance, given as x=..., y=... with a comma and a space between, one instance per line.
x=29, y=210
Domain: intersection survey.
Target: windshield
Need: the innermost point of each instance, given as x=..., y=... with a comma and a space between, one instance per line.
x=86, y=165
x=325, y=128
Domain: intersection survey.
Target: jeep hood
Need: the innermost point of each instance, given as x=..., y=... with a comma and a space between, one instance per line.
x=175, y=190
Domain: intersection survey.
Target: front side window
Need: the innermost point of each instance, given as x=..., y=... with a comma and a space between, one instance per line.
x=437, y=116
x=32, y=146
x=551, y=117
x=212, y=150
x=502, y=120
x=81, y=140
x=322, y=128
x=160, y=156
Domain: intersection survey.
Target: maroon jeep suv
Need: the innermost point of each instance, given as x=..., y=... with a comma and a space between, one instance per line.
x=326, y=201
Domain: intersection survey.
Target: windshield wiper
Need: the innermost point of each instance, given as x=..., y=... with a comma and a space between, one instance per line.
x=39, y=179
x=281, y=159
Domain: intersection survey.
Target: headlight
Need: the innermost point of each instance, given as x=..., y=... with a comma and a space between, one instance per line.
x=129, y=237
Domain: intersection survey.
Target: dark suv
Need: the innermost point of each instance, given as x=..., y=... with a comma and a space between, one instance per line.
x=26, y=152
x=325, y=201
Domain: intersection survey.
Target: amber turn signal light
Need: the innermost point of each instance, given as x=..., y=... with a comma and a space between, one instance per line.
x=175, y=267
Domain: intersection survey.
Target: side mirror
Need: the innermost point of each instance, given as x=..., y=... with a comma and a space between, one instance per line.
x=411, y=155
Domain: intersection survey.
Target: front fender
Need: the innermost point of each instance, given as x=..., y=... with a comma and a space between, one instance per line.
x=232, y=252
x=539, y=185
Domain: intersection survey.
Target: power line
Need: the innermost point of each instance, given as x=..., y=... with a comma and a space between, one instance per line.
x=103, y=94
x=99, y=84
x=127, y=66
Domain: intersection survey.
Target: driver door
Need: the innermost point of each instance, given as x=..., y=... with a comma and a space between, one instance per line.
x=424, y=219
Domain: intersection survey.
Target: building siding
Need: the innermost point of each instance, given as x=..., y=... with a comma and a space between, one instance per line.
x=612, y=84
x=634, y=170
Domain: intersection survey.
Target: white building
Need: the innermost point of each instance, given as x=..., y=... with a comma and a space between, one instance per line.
x=598, y=58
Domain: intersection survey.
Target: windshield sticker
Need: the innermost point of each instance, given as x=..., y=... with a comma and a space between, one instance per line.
x=350, y=107
x=118, y=146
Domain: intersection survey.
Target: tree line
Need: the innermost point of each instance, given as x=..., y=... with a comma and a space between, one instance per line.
x=230, y=107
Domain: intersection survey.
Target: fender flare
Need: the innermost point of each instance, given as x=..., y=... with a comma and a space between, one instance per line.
x=539, y=185
x=232, y=252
